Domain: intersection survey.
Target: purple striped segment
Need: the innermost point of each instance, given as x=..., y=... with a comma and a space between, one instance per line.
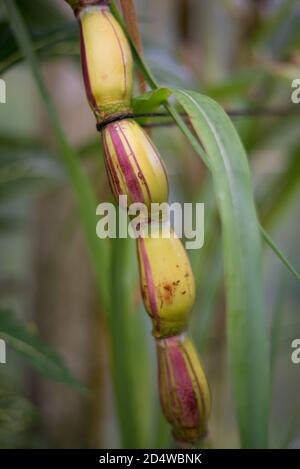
x=85, y=72
x=135, y=167
x=181, y=380
x=110, y=167
x=128, y=173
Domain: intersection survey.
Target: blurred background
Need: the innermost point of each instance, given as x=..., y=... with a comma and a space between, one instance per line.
x=76, y=376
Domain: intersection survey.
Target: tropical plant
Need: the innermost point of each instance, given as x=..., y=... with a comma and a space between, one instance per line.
x=238, y=212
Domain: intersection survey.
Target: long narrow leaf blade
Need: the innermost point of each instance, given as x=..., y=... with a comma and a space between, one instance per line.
x=246, y=321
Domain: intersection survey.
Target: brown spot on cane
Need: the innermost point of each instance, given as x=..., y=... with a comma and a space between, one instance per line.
x=169, y=292
x=165, y=293
x=183, y=292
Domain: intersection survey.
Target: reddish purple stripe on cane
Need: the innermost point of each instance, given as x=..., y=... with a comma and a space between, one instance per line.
x=196, y=379
x=85, y=71
x=139, y=171
x=111, y=169
x=112, y=174
x=149, y=281
x=174, y=404
x=185, y=390
x=129, y=175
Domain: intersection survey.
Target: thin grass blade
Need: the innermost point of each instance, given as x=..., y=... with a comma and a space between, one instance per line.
x=248, y=339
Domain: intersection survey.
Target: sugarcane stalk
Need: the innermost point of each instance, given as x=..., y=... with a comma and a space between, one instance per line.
x=135, y=169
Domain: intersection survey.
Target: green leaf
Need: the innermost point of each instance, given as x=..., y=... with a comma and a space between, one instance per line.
x=151, y=100
x=279, y=254
x=276, y=323
x=49, y=363
x=248, y=340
